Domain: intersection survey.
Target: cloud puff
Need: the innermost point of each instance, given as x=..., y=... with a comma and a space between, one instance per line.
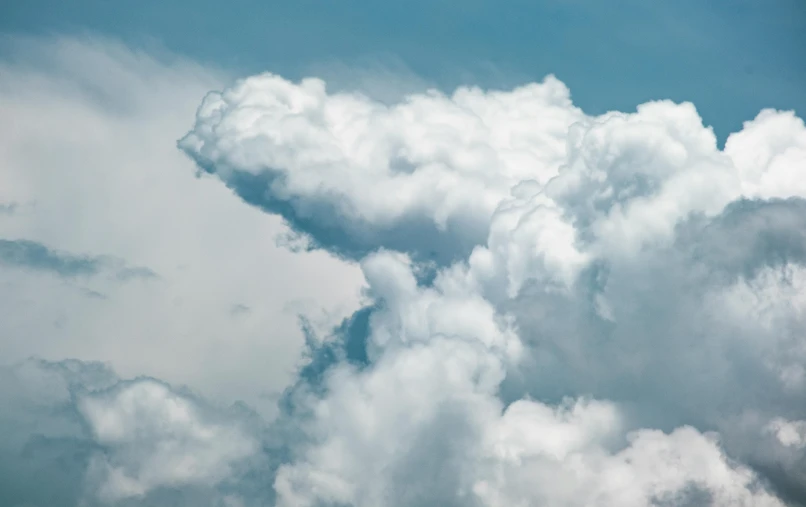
x=99, y=440
x=622, y=258
x=556, y=457
x=153, y=437
x=425, y=423
x=422, y=176
x=789, y=433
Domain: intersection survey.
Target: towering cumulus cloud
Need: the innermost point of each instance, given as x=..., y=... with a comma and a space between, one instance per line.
x=423, y=176
x=566, y=310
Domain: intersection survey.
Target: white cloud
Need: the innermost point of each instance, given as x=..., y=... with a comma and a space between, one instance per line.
x=788, y=433
x=156, y=438
x=557, y=459
x=424, y=424
x=769, y=153
x=619, y=256
x=422, y=174
x=75, y=434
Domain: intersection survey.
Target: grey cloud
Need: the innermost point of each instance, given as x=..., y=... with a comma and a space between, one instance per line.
x=239, y=309
x=321, y=224
x=698, y=332
x=33, y=255
x=749, y=235
x=93, y=294
x=8, y=209
x=30, y=254
x=127, y=273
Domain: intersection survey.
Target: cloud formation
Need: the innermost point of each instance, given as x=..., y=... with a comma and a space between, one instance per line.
x=421, y=176
x=611, y=296
x=154, y=438
x=560, y=309
x=101, y=440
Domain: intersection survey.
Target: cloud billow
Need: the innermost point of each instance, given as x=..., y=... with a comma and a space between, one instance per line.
x=422, y=176
x=617, y=314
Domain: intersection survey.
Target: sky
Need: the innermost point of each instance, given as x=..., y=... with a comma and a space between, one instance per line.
x=375, y=254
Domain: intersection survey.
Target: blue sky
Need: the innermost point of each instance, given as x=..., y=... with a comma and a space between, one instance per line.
x=730, y=57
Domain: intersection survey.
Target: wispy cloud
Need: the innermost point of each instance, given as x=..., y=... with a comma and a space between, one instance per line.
x=36, y=256
x=107, y=202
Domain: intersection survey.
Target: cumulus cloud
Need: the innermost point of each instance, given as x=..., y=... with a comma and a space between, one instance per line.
x=421, y=176
x=100, y=440
x=532, y=258
x=789, y=433
x=425, y=423
x=561, y=309
x=154, y=437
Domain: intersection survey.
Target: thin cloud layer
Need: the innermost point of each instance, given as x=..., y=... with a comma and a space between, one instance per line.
x=88, y=152
x=621, y=259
